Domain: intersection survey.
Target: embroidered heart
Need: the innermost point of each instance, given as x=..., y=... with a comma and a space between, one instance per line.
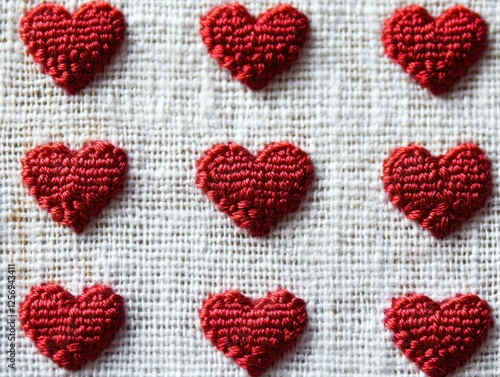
x=254, y=50
x=73, y=48
x=438, y=337
x=74, y=186
x=71, y=331
x=253, y=333
x=436, y=52
x=255, y=192
x=438, y=192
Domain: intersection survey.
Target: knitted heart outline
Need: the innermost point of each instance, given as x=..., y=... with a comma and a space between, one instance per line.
x=73, y=48
x=70, y=330
x=254, y=50
x=439, y=193
x=74, y=186
x=427, y=48
x=254, y=333
x=438, y=337
x=255, y=191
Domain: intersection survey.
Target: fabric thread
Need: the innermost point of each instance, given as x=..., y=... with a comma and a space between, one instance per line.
x=436, y=52
x=440, y=193
x=255, y=192
x=254, y=50
x=74, y=186
x=69, y=330
x=439, y=337
x=72, y=49
x=254, y=333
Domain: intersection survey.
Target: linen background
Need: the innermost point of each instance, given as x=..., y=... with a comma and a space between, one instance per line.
x=164, y=246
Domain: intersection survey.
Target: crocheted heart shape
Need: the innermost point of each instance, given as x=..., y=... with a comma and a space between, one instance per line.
x=74, y=186
x=70, y=330
x=253, y=333
x=438, y=337
x=255, y=192
x=72, y=49
x=438, y=192
x=436, y=52
x=254, y=50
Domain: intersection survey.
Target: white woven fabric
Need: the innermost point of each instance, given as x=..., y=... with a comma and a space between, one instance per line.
x=165, y=247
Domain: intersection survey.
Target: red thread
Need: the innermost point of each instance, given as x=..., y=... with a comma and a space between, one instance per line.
x=436, y=52
x=71, y=331
x=254, y=333
x=255, y=192
x=438, y=337
x=254, y=50
x=438, y=192
x=74, y=186
x=73, y=48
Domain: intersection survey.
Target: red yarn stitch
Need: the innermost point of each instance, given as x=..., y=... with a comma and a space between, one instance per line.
x=74, y=186
x=73, y=48
x=439, y=337
x=71, y=331
x=255, y=192
x=438, y=192
x=436, y=52
x=254, y=50
x=254, y=333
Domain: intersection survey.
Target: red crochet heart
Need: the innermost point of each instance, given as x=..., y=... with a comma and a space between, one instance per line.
x=71, y=331
x=438, y=192
x=255, y=192
x=254, y=50
x=436, y=52
x=253, y=333
x=438, y=337
x=73, y=48
x=74, y=186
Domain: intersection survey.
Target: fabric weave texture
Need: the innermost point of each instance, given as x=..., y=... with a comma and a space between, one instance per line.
x=165, y=248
